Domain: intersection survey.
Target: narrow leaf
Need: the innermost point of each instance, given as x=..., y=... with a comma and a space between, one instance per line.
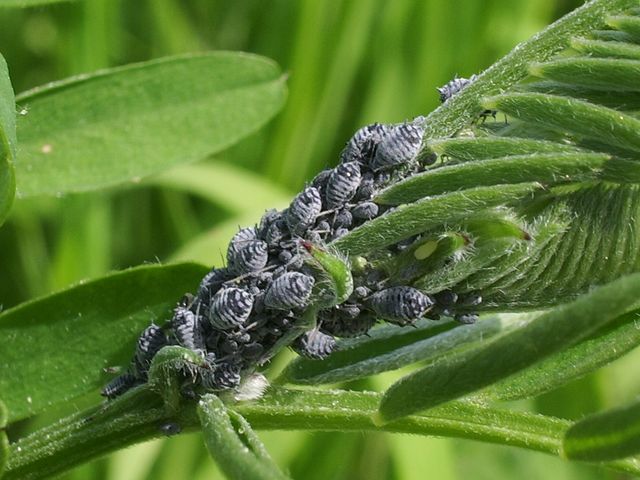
x=623, y=101
x=408, y=220
x=569, y=115
x=547, y=169
x=122, y=124
x=484, y=148
x=570, y=364
x=626, y=23
x=612, y=36
x=596, y=73
x=4, y=441
x=233, y=444
x=371, y=356
x=56, y=347
x=475, y=368
x=602, y=48
x=607, y=435
x=7, y=141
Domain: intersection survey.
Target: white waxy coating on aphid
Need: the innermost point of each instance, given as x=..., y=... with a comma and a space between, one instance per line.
x=304, y=210
x=250, y=257
x=401, y=305
x=315, y=344
x=399, y=145
x=290, y=290
x=230, y=307
x=243, y=236
x=343, y=184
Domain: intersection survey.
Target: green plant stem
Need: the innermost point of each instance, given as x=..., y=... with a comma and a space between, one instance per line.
x=138, y=416
x=462, y=108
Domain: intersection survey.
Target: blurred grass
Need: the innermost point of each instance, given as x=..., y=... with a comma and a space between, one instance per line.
x=350, y=62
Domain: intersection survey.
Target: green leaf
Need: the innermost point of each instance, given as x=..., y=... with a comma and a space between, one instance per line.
x=623, y=101
x=233, y=444
x=121, y=124
x=233, y=188
x=602, y=48
x=7, y=141
x=596, y=73
x=570, y=364
x=390, y=349
x=484, y=148
x=4, y=441
x=605, y=435
x=478, y=367
x=627, y=24
x=57, y=346
x=463, y=107
x=408, y=220
x=28, y=3
x=569, y=115
x=547, y=169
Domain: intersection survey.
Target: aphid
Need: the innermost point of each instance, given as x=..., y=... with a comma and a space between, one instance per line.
x=454, y=86
x=400, y=305
x=221, y=377
x=252, y=351
x=342, y=326
x=367, y=187
x=342, y=219
x=150, y=342
x=238, y=241
x=290, y=290
x=400, y=145
x=211, y=282
x=362, y=144
x=339, y=233
x=187, y=327
x=320, y=180
x=250, y=257
x=303, y=210
x=365, y=211
x=466, y=318
x=446, y=298
x=361, y=292
x=323, y=227
x=314, y=344
x=230, y=307
x=342, y=184
x=269, y=217
x=276, y=233
x=118, y=386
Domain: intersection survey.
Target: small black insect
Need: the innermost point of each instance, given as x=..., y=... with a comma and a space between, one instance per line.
x=290, y=290
x=221, y=376
x=400, y=305
x=119, y=385
x=362, y=145
x=340, y=323
x=150, y=342
x=342, y=219
x=314, y=344
x=466, y=318
x=250, y=257
x=170, y=428
x=211, y=282
x=303, y=210
x=342, y=184
x=454, y=86
x=365, y=211
x=399, y=145
x=186, y=325
x=230, y=307
x=238, y=241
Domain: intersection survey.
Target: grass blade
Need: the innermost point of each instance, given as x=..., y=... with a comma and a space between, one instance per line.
x=118, y=125
x=605, y=436
x=408, y=220
x=546, y=169
x=7, y=141
x=626, y=23
x=475, y=368
x=57, y=346
x=569, y=115
x=233, y=444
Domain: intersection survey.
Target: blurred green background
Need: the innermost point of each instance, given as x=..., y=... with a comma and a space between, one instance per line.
x=349, y=63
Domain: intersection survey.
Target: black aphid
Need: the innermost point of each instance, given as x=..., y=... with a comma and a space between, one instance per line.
x=400, y=305
x=238, y=241
x=365, y=211
x=314, y=344
x=119, y=385
x=342, y=184
x=399, y=145
x=150, y=342
x=212, y=282
x=304, y=210
x=362, y=145
x=230, y=307
x=250, y=257
x=454, y=86
x=290, y=290
x=187, y=327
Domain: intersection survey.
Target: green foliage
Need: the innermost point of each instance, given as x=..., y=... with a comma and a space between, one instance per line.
x=86, y=133
x=531, y=213
x=7, y=141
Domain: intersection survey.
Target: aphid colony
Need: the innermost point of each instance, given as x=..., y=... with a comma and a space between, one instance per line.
x=244, y=313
